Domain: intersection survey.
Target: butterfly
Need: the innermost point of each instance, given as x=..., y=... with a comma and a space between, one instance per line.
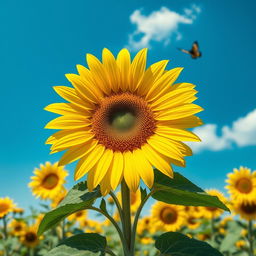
x=194, y=52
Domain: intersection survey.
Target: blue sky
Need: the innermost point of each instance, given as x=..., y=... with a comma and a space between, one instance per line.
x=43, y=40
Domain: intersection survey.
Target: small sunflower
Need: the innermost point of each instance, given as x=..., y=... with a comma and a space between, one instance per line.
x=29, y=237
x=6, y=205
x=145, y=225
x=192, y=221
x=18, y=210
x=79, y=216
x=213, y=212
x=121, y=119
x=241, y=184
x=58, y=198
x=147, y=240
x=17, y=227
x=246, y=209
x=48, y=180
x=167, y=217
x=241, y=244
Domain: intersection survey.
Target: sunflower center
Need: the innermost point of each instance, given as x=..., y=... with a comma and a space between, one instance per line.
x=79, y=214
x=31, y=237
x=244, y=185
x=211, y=209
x=123, y=122
x=4, y=207
x=168, y=215
x=248, y=208
x=50, y=181
x=192, y=220
x=18, y=228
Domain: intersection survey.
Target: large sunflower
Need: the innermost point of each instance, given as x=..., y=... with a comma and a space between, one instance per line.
x=48, y=180
x=242, y=184
x=167, y=217
x=121, y=119
x=6, y=205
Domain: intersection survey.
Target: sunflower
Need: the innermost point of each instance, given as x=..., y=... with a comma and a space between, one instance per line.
x=48, y=180
x=242, y=184
x=17, y=227
x=18, y=210
x=167, y=217
x=29, y=237
x=145, y=225
x=192, y=221
x=147, y=240
x=58, y=198
x=213, y=212
x=78, y=216
x=6, y=205
x=246, y=209
x=121, y=119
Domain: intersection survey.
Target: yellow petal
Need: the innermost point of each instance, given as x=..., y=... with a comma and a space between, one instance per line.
x=98, y=73
x=163, y=84
x=112, y=69
x=178, y=112
x=184, y=149
x=88, y=161
x=87, y=76
x=124, y=62
x=176, y=134
x=137, y=69
x=77, y=152
x=143, y=167
x=150, y=76
x=105, y=186
x=72, y=139
x=68, y=122
x=83, y=90
x=70, y=95
x=165, y=147
x=117, y=167
x=182, y=123
x=131, y=176
x=158, y=160
x=61, y=108
x=102, y=167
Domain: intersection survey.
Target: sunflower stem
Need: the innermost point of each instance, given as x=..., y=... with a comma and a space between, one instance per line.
x=213, y=229
x=136, y=219
x=5, y=228
x=250, y=237
x=63, y=231
x=118, y=206
x=126, y=206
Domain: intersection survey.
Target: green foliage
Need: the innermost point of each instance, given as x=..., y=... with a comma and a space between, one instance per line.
x=80, y=245
x=77, y=199
x=181, y=191
x=176, y=244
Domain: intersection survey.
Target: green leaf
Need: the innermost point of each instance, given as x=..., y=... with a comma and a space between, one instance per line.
x=77, y=199
x=79, y=245
x=143, y=193
x=103, y=206
x=181, y=191
x=178, y=182
x=176, y=244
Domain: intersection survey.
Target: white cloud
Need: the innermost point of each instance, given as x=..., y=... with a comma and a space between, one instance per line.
x=241, y=133
x=159, y=26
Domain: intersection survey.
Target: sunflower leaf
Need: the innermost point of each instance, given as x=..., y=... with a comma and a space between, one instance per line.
x=176, y=244
x=80, y=245
x=103, y=206
x=77, y=199
x=181, y=191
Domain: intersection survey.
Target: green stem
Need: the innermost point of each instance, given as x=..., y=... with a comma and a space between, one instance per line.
x=122, y=238
x=213, y=229
x=136, y=219
x=63, y=231
x=118, y=205
x=127, y=215
x=250, y=237
x=5, y=228
x=109, y=251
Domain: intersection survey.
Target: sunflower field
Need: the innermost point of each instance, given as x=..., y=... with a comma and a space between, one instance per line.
x=127, y=125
